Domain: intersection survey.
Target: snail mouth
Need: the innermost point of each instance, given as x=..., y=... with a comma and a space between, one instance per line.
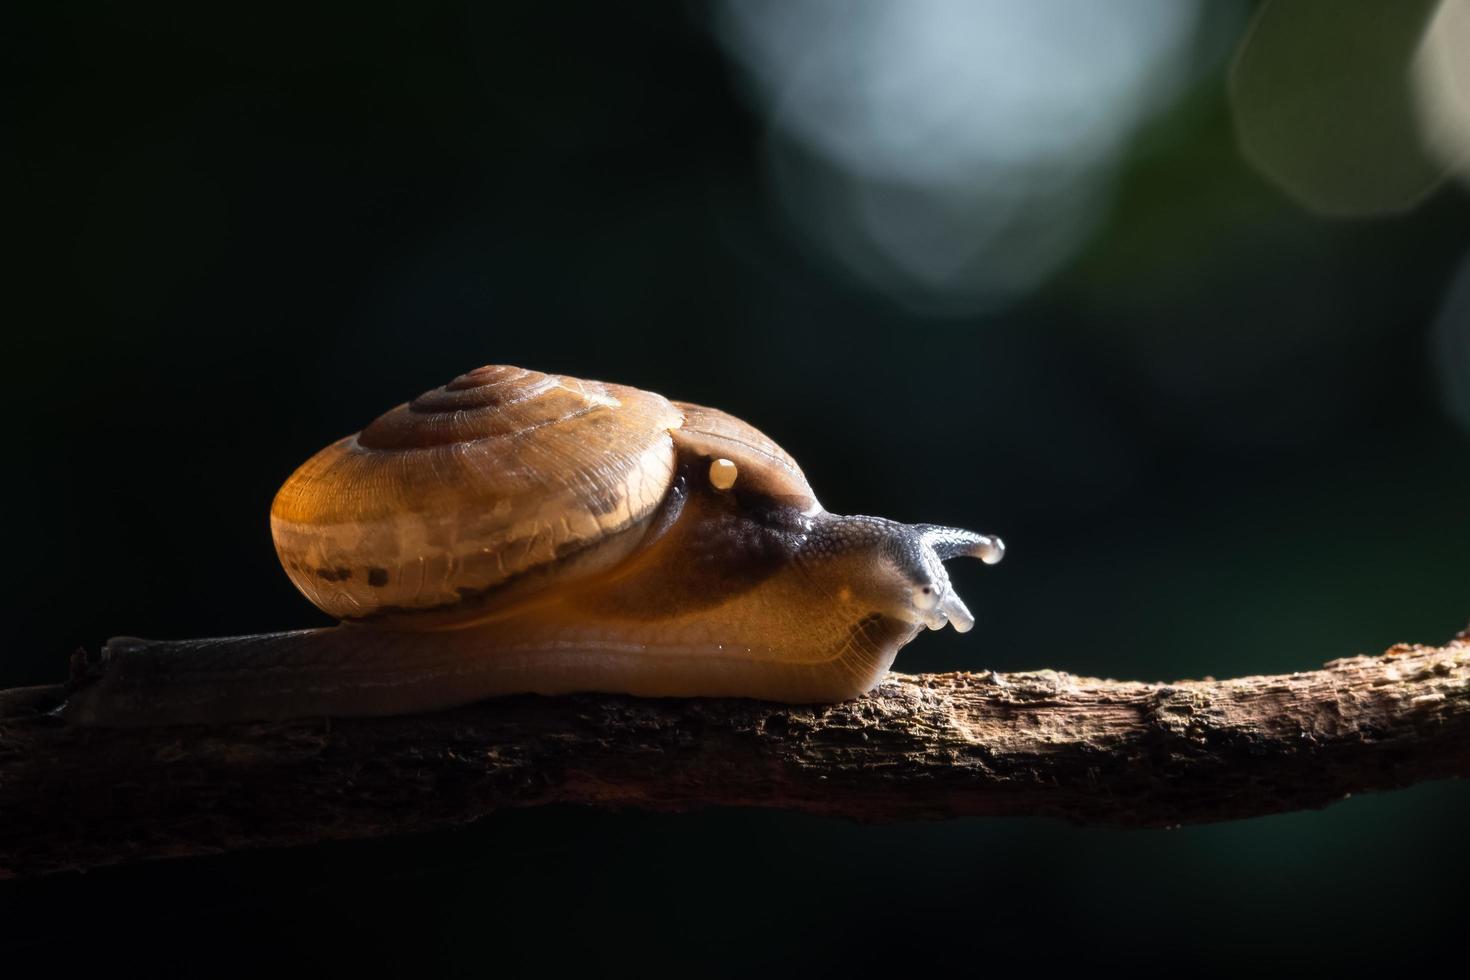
x=948, y=610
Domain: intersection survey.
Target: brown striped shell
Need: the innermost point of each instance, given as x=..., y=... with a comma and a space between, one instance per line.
x=477, y=496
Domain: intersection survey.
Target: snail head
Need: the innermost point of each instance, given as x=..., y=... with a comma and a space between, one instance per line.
x=898, y=569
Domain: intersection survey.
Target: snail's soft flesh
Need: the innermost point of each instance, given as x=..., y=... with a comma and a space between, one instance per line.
x=517, y=532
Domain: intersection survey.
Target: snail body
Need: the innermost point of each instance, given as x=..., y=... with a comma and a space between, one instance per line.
x=517, y=532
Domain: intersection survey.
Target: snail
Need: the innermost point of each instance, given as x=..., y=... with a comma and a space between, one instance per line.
x=518, y=532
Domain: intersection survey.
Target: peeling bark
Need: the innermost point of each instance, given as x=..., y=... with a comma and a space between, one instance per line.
x=927, y=746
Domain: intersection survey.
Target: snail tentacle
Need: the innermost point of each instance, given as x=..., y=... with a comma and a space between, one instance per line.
x=954, y=542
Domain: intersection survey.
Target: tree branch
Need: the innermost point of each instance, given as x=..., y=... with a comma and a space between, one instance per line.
x=935, y=745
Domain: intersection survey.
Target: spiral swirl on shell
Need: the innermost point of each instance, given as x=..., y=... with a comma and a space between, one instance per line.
x=431, y=512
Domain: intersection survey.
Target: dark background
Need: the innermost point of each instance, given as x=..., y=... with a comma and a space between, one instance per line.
x=1215, y=439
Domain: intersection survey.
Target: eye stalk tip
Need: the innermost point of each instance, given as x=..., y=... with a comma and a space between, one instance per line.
x=992, y=552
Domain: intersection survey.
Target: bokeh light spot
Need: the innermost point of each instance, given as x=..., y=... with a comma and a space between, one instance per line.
x=954, y=153
x=1324, y=100
x=1441, y=75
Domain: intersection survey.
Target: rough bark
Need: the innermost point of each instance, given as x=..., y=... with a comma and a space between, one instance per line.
x=935, y=745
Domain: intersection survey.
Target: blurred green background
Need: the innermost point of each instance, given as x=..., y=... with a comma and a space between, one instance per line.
x=1190, y=328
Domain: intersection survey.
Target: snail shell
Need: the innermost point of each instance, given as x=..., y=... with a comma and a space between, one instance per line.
x=481, y=493
x=518, y=532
